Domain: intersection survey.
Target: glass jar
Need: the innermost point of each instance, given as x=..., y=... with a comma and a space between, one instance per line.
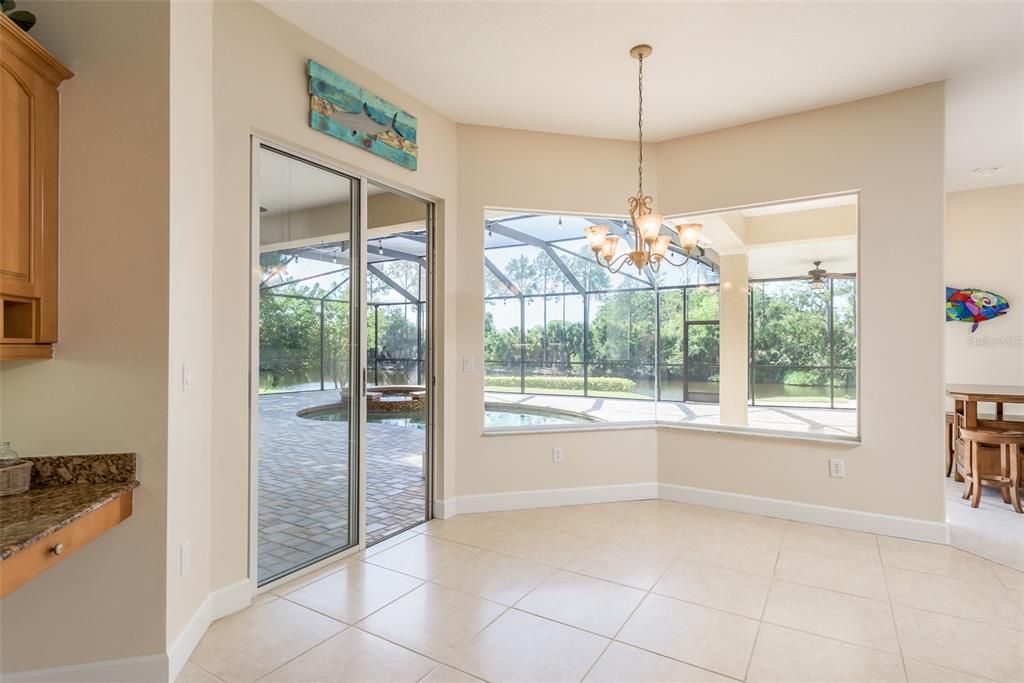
x=8, y=456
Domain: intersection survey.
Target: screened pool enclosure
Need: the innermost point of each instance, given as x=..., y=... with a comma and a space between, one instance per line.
x=304, y=315
x=557, y=324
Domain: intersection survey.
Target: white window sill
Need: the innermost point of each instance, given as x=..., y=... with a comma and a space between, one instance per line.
x=836, y=440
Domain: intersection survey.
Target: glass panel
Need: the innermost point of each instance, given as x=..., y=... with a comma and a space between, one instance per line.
x=702, y=344
x=695, y=272
x=503, y=377
x=289, y=344
x=567, y=381
x=397, y=403
x=790, y=324
x=622, y=345
x=502, y=323
x=845, y=388
x=844, y=322
x=793, y=386
x=672, y=329
x=306, y=491
x=673, y=383
x=702, y=303
x=702, y=383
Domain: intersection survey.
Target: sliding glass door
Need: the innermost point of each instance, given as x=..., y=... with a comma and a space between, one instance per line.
x=309, y=378
x=398, y=426
x=342, y=376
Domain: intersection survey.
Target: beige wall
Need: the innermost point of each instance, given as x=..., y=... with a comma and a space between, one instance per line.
x=734, y=326
x=985, y=250
x=513, y=169
x=813, y=224
x=106, y=389
x=890, y=148
x=260, y=85
x=189, y=490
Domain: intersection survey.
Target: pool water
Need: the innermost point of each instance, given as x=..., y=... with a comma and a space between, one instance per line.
x=512, y=417
x=493, y=417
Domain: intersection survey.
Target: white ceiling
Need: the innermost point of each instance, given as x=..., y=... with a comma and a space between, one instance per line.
x=562, y=67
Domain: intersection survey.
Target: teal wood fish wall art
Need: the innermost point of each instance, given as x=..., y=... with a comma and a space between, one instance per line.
x=974, y=305
x=342, y=109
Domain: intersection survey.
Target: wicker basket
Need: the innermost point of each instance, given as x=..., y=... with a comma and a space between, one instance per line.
x=15, y=478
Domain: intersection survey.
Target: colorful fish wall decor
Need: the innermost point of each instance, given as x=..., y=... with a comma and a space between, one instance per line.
x=342, y=109
x=974, y=305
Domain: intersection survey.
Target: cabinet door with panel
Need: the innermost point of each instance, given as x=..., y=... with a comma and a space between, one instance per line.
x=29, y=158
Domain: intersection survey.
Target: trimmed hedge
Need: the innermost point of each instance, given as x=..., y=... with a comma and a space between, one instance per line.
x=620, y=384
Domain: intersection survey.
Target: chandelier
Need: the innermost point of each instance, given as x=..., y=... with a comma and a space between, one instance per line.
x=650, y=247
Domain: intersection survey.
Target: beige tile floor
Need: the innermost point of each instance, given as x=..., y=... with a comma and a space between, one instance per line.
x=638, y=591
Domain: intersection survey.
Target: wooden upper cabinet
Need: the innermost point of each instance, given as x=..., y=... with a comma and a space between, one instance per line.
x=29, y=157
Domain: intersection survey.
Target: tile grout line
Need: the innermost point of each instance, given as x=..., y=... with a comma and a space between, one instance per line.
x=650, y=591
x=614, y=638
x=892, y=613
x=590, y=542
x=764, y=607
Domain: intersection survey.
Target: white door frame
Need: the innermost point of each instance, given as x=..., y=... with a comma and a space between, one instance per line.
x=359, y=245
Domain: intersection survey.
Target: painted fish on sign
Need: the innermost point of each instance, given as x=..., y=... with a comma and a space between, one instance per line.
x=974, y=305
x=342, y=109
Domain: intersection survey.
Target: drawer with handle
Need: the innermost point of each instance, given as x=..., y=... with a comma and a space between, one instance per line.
x=28, y=563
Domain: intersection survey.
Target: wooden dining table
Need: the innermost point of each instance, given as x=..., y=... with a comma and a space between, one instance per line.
x=968, y=396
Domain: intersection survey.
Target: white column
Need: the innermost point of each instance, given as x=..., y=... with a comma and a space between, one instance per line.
x=734, y=319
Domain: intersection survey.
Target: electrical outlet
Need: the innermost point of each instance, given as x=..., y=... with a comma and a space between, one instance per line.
x=186, y=377
x=557, y=456
x=467, y=363
x=836, y=468
x=184, y=557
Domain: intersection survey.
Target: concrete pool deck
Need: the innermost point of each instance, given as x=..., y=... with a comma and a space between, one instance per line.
x=826, y=422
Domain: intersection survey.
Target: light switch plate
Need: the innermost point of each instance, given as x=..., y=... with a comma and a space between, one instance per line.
x=184, y=558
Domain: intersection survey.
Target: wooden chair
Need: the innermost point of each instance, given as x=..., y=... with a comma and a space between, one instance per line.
x=969, y=465
x=950, y=441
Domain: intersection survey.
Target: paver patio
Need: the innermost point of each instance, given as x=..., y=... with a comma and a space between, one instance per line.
x=303, y=482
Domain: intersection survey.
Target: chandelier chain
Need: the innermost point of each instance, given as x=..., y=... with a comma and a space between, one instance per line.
x=648, y=247
x=640, y=128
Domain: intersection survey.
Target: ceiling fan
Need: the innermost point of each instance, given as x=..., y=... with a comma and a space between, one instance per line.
x=818, y=275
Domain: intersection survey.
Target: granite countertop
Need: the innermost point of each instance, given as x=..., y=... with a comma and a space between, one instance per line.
x=64, y=488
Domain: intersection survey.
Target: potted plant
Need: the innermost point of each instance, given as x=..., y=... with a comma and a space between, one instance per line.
x=22, y=17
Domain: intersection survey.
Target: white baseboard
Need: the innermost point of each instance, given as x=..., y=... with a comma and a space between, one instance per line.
x=231, y=599
x=854, y=520
x=217, y=604
x=158, y=668
x=518, y=500
x=182, y=647
x=443, y=509
x=146, y=669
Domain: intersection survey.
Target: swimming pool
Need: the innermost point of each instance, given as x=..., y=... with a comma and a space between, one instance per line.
x=495, y=415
